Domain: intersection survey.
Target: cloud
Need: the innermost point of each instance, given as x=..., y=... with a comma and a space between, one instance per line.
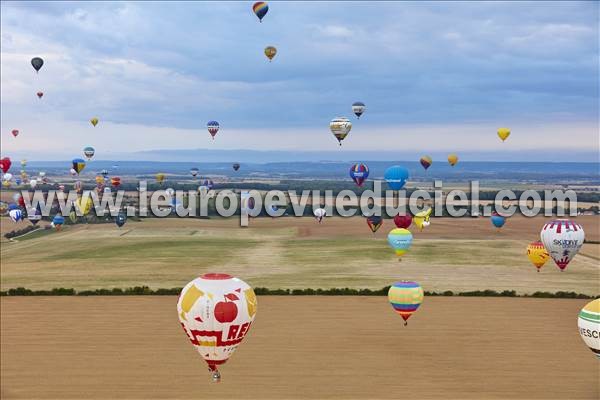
x=161, y=70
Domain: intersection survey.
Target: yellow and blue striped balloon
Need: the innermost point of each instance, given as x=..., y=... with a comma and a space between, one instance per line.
x=400, y=240
x=405, y=297
x=78, y=165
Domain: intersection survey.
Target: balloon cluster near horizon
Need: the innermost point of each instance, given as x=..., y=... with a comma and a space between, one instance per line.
x=216, y=312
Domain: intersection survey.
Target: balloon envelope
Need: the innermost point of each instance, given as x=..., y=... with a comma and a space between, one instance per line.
x=5, y=164
x=562, y=238
x=503, y=133
x=37, y=63
x=358, y=108
x=374, y=222
x=359, y=173
x=426, y=162
x=340, y=127
x=403, y=221
x=89, y=152
x=498, y=220
x=78, y=165
x=452, y=159
x=405, y=297
x=213, y=128
x=260, y=8
x=270, y=52
x=121, y=219
x=216, y=312
x=589, y=326
x=400, y=240
x=396, y=177
x=537, y=254
x=236, y=166
x=422, y=218
x=194, y=172
x=94, y=121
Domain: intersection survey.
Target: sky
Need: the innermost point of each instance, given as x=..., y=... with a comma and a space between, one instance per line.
x=436, y=77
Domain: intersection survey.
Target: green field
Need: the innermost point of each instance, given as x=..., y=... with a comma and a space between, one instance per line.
x=169, y=253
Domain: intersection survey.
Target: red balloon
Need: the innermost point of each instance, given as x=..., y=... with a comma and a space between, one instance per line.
x=403, y=221
x=15, y=132
x=5, y=164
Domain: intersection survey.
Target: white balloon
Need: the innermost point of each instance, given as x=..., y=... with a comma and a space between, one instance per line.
x=562, y=238
x=216, y=312
x=33, y=183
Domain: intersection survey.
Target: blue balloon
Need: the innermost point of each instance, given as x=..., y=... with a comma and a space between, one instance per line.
x=58, y=220
x=396, y=177
x=498, y=220
x=12, y=206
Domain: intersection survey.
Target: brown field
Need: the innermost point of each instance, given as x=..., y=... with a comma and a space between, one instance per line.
x=299, y=348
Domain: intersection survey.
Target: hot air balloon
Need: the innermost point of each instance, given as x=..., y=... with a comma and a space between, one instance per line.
x=260, y=8
x=405, y=297
x=19, y=200
x=421, y=219
x=216, y=312
x=375, y=222
x=7, y=177
x=115, y=181
x=33, y=183
x=497, y=220
x=88, y=152
x=400, y=240
x=94, y=121
x=340, y=127
x=160, y=177
x=58, y=221
x=194, y=172
x=34, y=215
x=426, y=162
x=236, y=166
x=5, y=164
x=396, y=177
x=503, y=133
x=537, y=254
x=358, y=108
x=452, y=159
x=121, y=219
x=23, y=163
x=40, y=94
x=104, y=172
x=359, y=173
x=403, y=221
x=78, y=165
x=589, y=326
x=319, y=214
x=99, y=180
x=562, y=238
x=213, y=128
x=15, y=132
x=84, y=203
x=37, y=63
x=208, y=183
x=270, y=52
x=16, y=215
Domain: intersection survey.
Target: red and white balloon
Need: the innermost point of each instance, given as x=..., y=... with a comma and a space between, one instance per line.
x=216, y=312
